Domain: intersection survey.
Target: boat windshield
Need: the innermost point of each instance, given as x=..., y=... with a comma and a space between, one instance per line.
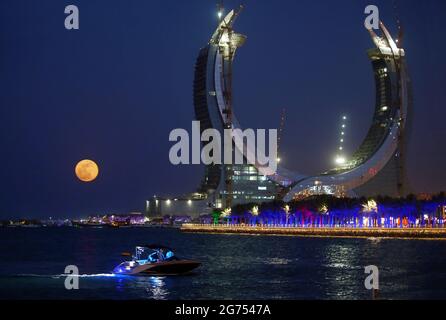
x=152, y=255
x=142, y=253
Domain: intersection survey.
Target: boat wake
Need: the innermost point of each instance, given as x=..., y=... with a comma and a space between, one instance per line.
x=57, y=276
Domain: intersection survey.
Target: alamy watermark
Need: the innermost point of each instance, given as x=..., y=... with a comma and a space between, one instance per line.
x=72, y=20
x=250, y=147
x=372, y=20
x=72, y=277
x=371, y=282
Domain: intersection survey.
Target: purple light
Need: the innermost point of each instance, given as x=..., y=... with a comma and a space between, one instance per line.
x=407, y=215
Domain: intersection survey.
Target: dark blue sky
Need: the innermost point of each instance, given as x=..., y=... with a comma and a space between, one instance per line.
x=113, y=91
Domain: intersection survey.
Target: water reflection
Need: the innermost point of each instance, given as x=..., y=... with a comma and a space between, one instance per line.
x=233, y=267
x=155, y=287
x=343, y=271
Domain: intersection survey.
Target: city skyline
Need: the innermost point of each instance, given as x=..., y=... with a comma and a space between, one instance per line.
x=99, y=96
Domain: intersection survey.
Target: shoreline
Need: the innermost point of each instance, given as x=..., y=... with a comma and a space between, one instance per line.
x=404, y=233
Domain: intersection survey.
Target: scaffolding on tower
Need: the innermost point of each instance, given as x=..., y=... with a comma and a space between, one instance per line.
x=228, y=43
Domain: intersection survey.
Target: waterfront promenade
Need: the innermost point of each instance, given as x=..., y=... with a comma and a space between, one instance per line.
x=402, y=233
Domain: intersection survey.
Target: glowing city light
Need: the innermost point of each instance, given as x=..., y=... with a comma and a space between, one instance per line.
x=323, y=209
x=340, y=160
x=370, y=206
x=255, y=211
x=226, y=213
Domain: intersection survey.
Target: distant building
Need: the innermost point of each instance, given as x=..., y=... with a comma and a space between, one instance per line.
x=193, y=206
x=133, y=218
x=424, y=196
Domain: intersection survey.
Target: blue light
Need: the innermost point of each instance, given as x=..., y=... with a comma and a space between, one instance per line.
x=402, y=215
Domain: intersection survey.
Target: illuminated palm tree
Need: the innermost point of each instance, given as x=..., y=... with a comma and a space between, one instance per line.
x=287, y=213
x=216, y=214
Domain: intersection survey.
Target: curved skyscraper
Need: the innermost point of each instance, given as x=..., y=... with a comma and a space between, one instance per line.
x=377, y=166
x=213, y=108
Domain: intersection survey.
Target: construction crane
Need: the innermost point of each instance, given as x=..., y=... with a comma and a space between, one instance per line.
x=399, y=25
x=280, y=133
x=220, y=10
x=401, y=173
x=340, y=159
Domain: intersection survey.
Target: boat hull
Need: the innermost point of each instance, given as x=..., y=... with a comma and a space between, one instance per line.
x=161, y=268
x=172, y=267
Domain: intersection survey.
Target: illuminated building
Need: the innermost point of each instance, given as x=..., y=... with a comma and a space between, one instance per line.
x=378, y=165
x=376, y=168
x=227, y=184
x=192, y=205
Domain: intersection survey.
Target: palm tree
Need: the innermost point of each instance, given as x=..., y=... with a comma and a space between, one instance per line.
x=216, y=213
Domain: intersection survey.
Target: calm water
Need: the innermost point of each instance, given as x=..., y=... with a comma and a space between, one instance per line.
x=234, y=267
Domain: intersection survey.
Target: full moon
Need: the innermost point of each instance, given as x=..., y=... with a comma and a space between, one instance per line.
x=86, y=170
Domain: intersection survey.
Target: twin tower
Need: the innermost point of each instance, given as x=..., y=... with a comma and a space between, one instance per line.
x=377, y=167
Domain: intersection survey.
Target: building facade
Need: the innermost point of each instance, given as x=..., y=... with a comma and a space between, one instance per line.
x=376, y=168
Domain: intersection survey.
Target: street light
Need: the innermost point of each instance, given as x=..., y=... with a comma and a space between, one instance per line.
x=340, y=160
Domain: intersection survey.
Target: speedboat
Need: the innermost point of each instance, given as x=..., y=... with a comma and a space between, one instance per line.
x=154, y=259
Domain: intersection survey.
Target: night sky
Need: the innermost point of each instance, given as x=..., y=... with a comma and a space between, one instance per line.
x=113, y=90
